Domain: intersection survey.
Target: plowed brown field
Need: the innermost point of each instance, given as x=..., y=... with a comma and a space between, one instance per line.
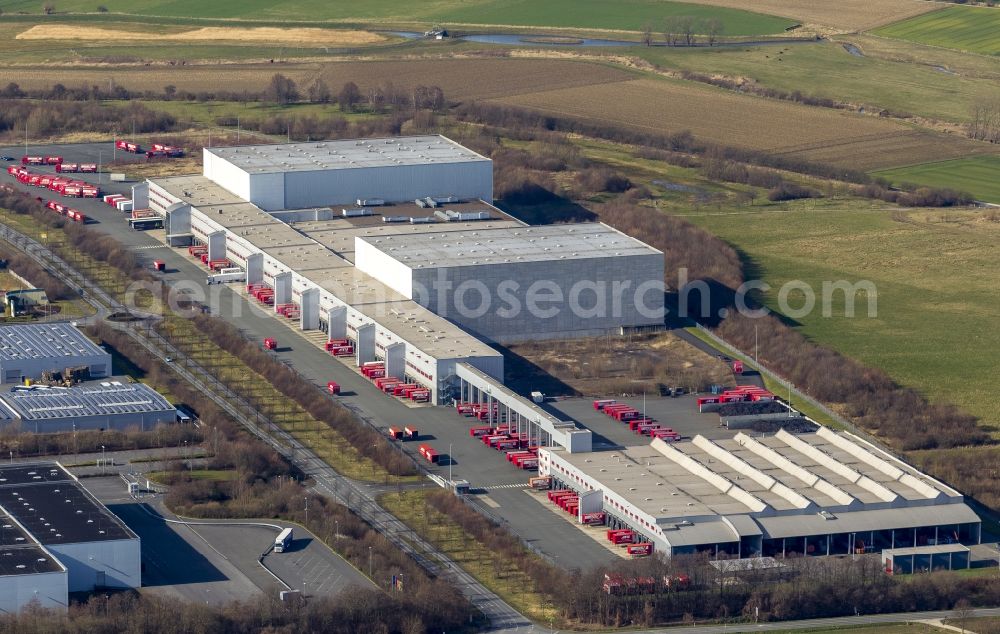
x=780, y=127
x=459, y=78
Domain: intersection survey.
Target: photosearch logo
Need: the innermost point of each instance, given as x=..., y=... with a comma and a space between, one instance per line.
x=796, y=299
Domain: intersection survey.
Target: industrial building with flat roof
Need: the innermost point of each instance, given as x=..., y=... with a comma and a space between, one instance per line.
x=65, y=539
x=91, y=405
x=28, y=350
x=291, y=216
x=823, y=493
x=514, y=283
x=300, y=175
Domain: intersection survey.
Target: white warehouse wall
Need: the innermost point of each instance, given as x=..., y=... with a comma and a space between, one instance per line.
x=469, y=180
x=118, y=559
x=383, y=267
x=267, y=191
x=226, y=174
x=49, y=589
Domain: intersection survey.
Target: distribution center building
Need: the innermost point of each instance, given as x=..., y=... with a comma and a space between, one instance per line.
x=784, y=495
x=66, y=540
x=28, y=350
x=518, y=283
x=91, y=405
x=292, y=217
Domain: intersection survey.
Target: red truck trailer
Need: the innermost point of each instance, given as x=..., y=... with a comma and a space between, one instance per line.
x=53, y=160
x=602, y=403
x=410, y=432
x=333, y=387
x=395, y=433
x=593, y=519
x=88, y=168
x=67, y=167
x=737, y=367
x=429, y=453
x=159, y=265
x=32, y=160
x=270, y=343
x=642, y=549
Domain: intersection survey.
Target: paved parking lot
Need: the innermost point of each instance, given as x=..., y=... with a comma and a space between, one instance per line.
x=680, y=413
x=218, y=563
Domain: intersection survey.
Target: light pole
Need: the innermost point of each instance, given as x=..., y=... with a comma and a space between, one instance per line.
x=369, y=562
x=451, y=460
x=336, y=535
x=100, y=159
x=103, y=460
x=307, y=509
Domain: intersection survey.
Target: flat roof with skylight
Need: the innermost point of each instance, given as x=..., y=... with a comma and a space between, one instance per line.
x=503, y=245
x=52, y=506
x=93, y=398
x=346, y=154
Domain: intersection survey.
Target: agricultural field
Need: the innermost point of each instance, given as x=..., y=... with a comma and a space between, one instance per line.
x=785, y=128
x=627, y=15
x=844, y=15
x=245, y=35
x=928, y=333
x=474, y=78
x=938, y=91
x=980, y=176
x=971, y=29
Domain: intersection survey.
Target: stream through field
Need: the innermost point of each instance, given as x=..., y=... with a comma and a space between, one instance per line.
x=535, y=39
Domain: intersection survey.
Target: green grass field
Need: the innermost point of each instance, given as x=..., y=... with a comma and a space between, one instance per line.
x=586, y=14
x=980, y=176
x=825, y=69
x=931, y=330
x=965, y=28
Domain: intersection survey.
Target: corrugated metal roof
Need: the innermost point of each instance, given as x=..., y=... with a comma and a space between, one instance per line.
x=38, y=341
x=696, y=533
x=90, y=399
x=870, y=520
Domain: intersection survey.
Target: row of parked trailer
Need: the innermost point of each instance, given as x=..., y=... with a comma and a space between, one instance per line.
x=517, y=447
x=120, y=202
x=375, y=372
x=60, y=184
x=408, y=432
x=739, y=394
x=637, y=422
x=339, y=347
x=481, y=411
x=569, y=501
x=157, y=150
x=41, y=160
x=63, y=210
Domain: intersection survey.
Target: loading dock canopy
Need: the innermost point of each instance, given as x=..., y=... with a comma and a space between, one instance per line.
x=564, y=433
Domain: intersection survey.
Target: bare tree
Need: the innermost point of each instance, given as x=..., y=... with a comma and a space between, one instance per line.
x=670, y=29
x=647, y=34
x=686, y=26
x=349, y=96
x=319, y=92
x=985, y=123
x=282, y=90
x=48, y=8
x=713, y=28
x=962, y=613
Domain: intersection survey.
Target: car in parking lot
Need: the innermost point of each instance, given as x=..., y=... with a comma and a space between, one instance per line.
x=7, y=158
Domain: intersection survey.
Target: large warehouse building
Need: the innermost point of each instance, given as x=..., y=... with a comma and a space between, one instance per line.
x=100, y=405
x=516, y=283
x=28, y=350
x=305, y=219
x=57, y=539
x=814, y=494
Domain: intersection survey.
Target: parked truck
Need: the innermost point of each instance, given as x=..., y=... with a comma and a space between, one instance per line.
x=159, y=265
x=333, y=387
x=270, y=343
x=283, y=540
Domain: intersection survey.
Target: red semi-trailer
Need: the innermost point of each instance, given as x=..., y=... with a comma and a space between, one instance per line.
x=270, y=343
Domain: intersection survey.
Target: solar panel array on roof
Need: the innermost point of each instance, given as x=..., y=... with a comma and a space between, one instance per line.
x=35, y=341
x=40, y=402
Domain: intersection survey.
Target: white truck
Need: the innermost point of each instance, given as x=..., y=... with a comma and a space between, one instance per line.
x=234, y=274
x=283, y=540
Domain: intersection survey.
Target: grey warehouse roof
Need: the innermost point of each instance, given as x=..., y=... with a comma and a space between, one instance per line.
x=481, y=245
x=55, y=509
x=36, y=341
x=26, y=559
x=345, y=154
x=89, y=399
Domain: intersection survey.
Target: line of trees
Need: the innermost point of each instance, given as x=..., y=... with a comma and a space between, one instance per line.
x=364, y=439
x=683, y=30
x=16, y=262
x=45, y=118
x=985, y=123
